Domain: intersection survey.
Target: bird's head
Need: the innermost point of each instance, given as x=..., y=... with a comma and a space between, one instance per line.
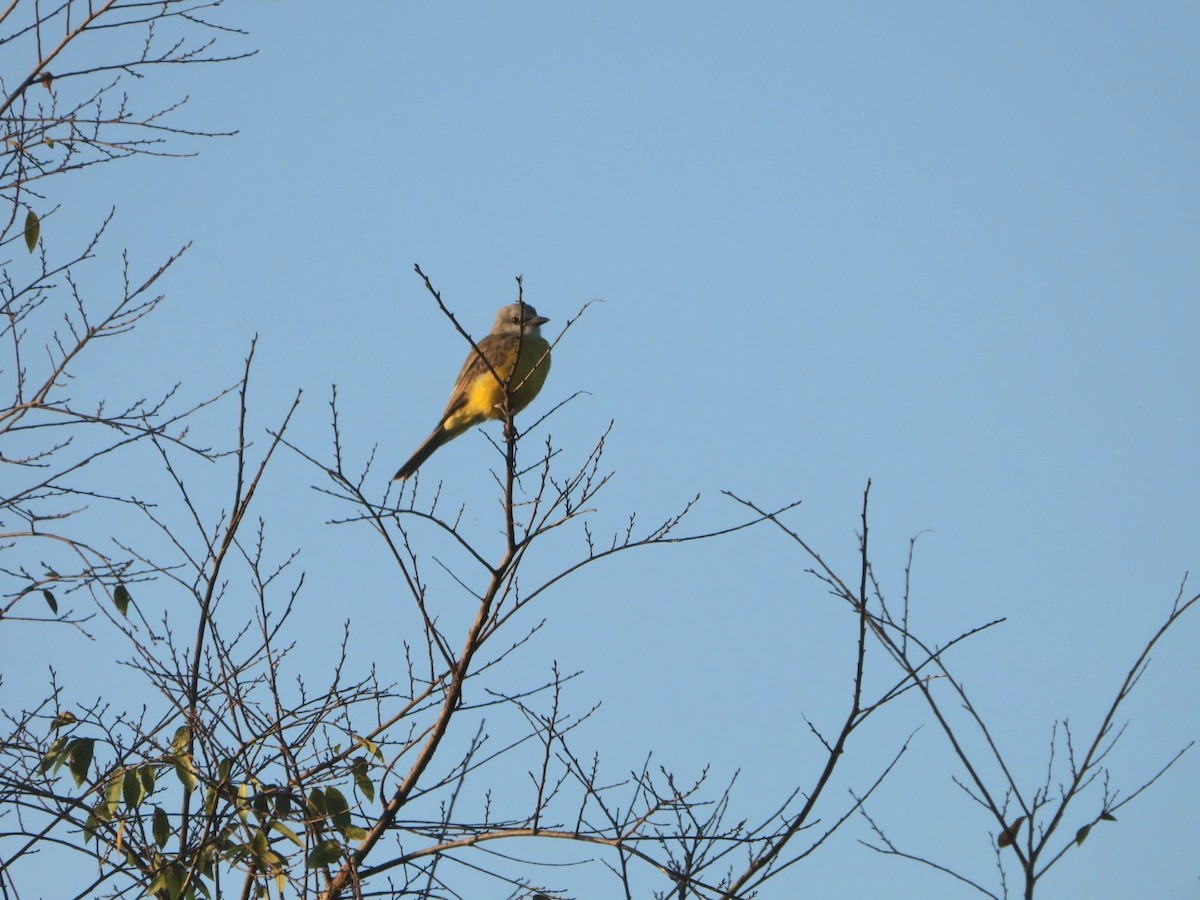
x=519, y=318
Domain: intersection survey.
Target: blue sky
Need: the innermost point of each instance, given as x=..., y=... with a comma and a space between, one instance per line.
x=947, y=247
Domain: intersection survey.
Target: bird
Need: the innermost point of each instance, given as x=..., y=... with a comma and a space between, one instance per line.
x=513, y=359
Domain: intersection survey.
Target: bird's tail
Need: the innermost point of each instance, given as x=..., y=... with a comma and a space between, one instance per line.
x=440, y=436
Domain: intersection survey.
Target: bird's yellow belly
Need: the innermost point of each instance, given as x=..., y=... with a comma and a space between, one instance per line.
x=485, y=397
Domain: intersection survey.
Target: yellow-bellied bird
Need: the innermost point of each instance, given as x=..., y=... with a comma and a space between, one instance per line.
x=517, y=362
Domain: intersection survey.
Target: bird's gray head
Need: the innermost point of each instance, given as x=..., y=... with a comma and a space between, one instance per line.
x=517, y=318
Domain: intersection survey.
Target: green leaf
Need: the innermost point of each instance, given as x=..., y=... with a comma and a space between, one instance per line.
x=62, y=720
x=158, y=885
x=50, y=601
x=287, y=833
x=161, y=826
x=185, y=771
x=121, y=599
x=324, y=854
x=361, y=780
x=100, y=812
x=55, y=755
x=235, y=854
x=261, y=804
x=147, y=774
x=370, y=746
x=1107, y=817
x=175, y=876
x=316, y=802
x=260, y=849
x=338, y=808
x=246, y=802
x=354, y=833
x=132, y=790
x=183, y=736
x=225, y=837
x=33, y=228
x=79, y=757
x=1081, y=835
x=260, y=845
x=90, y=827
x=49, y=141
x=107, y=808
